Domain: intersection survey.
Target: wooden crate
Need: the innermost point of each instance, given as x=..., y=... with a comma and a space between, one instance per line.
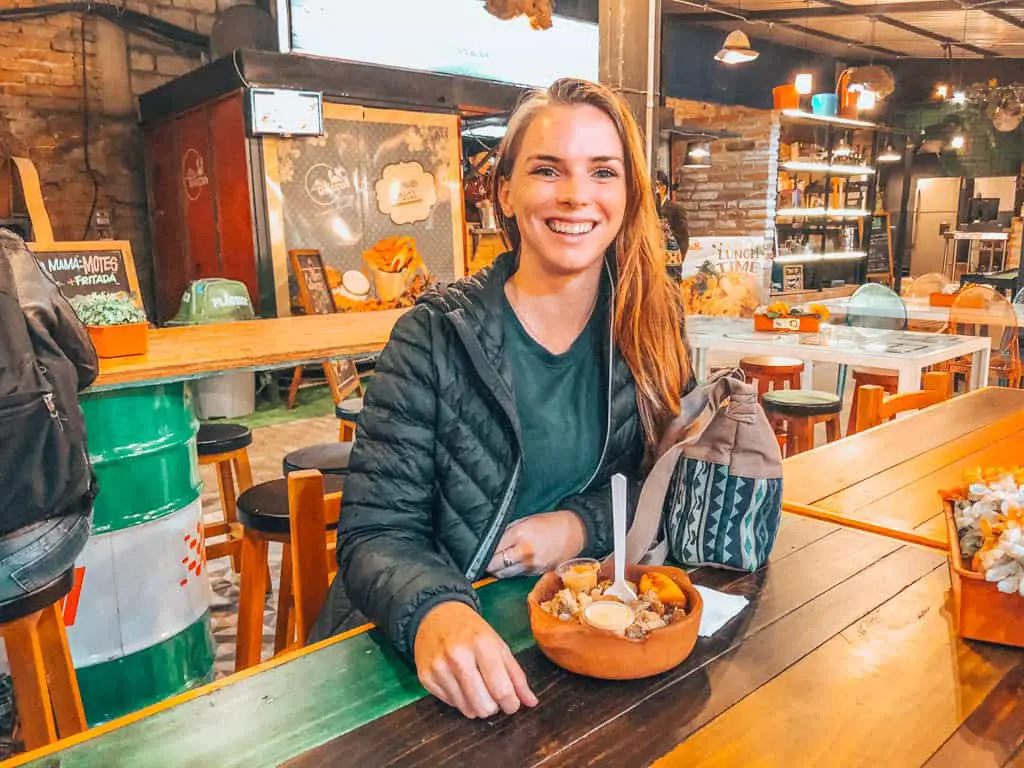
x=981, y=611
x=788, y=323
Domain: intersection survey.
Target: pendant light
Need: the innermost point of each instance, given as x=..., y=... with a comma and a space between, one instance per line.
x=889, y=155
x=736, y=49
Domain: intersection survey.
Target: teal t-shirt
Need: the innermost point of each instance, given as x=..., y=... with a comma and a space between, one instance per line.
x=561, y=404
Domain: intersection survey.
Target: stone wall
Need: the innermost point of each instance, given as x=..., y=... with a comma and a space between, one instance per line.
x=736, y=195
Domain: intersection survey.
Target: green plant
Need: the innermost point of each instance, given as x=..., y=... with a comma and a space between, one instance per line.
x=107, y=309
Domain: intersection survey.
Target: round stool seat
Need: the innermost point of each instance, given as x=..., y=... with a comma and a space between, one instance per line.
x=802, y=402
x=329, y=458
x=777, y=364
x=349, y=410
x=222, y=438
x=36, y=601
x=264, y=507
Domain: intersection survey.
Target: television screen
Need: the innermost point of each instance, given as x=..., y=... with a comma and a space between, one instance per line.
x=456, y=37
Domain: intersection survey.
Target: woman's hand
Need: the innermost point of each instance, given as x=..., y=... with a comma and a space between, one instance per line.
x=538, y=543
x=463, y=662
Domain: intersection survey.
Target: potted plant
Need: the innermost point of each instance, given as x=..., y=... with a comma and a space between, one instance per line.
x=116, y=324
x=779, y=316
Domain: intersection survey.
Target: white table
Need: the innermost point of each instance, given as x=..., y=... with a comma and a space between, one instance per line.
x=906, y=352
x=917, y=309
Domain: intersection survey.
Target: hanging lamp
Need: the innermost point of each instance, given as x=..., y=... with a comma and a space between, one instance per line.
x=736, y=49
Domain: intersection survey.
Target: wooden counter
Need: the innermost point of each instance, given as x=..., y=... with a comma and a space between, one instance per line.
x=189, y=352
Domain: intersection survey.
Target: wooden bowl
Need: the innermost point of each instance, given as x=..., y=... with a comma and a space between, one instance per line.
x=593, y=652
x=981, y=611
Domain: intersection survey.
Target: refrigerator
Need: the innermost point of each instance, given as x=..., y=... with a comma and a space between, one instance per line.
x=936, y=203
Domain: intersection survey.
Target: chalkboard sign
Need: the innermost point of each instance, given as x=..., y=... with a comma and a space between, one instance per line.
x=90, y=267
x=879, y=246
x=311, y=275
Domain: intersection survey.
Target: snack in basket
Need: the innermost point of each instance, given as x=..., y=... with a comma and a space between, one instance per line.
x=989, y=517
x=582, y=600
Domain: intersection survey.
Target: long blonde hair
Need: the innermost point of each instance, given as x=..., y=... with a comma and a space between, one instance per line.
x=648, y=314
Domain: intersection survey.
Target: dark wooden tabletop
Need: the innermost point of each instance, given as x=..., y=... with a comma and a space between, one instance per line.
x=845, y=656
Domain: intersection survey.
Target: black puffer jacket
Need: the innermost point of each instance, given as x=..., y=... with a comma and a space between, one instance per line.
x=436, y=462
x=46, y=359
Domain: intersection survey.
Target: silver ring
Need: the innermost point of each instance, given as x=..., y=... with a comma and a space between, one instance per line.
x=506, y=561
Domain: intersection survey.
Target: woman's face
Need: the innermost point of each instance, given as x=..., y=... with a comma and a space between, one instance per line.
x=567, y=190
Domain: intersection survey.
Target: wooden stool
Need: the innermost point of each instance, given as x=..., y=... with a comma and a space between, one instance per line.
x=799, y=410
x=263, y=514
x=772, y=373
x=876, y=377
x=45, y=685
x=348, y=412
x=327, y=458
x=226, y=446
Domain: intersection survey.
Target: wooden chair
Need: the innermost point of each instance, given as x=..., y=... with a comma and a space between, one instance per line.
x=314, y=510
x=772, y=373
x=45, y=685
x=875, y=407
x=794, y=413
x=226, y=446
x=264, y=513
x=980, y=310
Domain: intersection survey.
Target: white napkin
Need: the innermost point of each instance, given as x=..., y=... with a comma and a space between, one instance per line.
x=719, y=608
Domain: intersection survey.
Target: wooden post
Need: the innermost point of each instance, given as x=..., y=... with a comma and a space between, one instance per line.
x=630, y=60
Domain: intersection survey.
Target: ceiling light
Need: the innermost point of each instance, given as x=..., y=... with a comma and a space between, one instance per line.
x=959, y=97
x=804, y=83
x=942, y=91
x=957, y=142
x=736, y=49
x=890, y=155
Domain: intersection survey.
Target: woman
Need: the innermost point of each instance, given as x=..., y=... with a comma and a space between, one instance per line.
x=503, y=404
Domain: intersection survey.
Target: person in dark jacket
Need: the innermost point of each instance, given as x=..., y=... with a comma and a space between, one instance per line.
x=503, y=404
x=46, y=480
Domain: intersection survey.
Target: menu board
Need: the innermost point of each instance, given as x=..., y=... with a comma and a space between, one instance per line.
x=314, y=291
x=879, y=246
x=90, y=267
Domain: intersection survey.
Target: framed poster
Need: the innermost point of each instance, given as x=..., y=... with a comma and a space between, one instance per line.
x=792, y=277
x=379, y=195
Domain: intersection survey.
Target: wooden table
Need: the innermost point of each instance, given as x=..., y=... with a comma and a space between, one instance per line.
x=178, y=354
x=888, y=478
x=845, y=656
x=905, y=352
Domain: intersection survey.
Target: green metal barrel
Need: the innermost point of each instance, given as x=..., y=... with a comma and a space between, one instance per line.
x=141, y=629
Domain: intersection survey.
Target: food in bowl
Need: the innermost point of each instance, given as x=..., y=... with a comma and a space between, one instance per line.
x=582, y=599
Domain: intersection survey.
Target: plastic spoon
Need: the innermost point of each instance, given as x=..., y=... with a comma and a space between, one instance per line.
x=620, y=588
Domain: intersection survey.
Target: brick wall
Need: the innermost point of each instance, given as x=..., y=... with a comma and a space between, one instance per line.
x=42, y=116
x=736, y=195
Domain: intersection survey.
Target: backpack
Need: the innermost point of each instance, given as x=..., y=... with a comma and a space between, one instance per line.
x=714, y=495
x=45, y=358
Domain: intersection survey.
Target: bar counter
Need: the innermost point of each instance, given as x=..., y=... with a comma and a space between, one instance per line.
x=141, y=631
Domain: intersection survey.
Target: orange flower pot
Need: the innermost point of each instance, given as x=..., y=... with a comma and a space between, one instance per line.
x=593, y=652
x=788, y=323
x=120, y=340
x=980, y=610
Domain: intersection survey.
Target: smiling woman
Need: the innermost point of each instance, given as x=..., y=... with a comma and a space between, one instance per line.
x=504, y=403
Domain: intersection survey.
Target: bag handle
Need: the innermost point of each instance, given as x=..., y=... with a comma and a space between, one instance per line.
x=697, y=410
